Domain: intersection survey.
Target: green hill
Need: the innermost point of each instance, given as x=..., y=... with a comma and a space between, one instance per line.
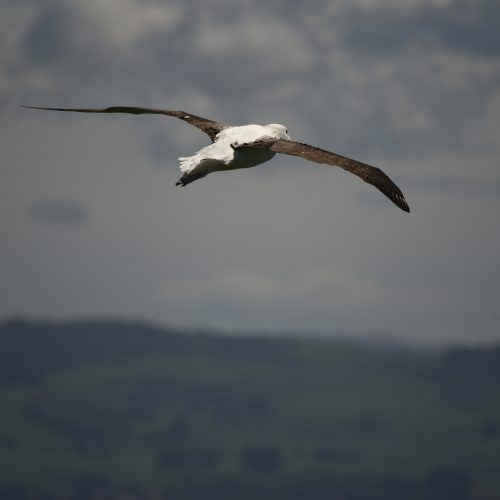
x=102, y=410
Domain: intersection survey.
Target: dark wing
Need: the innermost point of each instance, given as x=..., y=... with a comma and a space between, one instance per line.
x=210, y=127
x=372, y=175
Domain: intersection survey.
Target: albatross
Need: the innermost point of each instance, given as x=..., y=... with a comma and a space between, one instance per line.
x=245, y=146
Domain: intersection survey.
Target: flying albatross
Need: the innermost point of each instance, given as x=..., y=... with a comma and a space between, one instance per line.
x=245, y=146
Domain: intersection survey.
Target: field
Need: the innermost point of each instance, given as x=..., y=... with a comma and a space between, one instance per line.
x=103, y=410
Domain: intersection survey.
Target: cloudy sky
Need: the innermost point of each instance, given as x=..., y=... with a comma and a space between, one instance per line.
x=92, y=224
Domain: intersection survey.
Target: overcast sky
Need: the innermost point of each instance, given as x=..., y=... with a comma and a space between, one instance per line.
x=91, y=222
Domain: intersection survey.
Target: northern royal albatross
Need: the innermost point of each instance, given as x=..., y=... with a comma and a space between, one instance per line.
x=245, y=146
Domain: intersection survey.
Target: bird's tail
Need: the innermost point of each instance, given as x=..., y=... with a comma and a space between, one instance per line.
x=189, y=171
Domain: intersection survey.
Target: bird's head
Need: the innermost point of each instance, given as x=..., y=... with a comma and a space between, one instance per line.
x=280, y=131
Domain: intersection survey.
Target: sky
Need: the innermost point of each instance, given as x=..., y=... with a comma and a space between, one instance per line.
x=92, y=224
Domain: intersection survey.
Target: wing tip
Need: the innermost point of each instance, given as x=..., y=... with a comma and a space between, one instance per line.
x=47, y=109
x=402, y=203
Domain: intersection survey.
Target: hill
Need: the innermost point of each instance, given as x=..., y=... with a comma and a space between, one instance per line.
x=110, y=410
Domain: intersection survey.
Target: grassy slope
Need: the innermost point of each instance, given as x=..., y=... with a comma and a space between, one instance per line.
x=96, y=410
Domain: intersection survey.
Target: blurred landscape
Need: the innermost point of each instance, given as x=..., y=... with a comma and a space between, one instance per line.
x=111, y=410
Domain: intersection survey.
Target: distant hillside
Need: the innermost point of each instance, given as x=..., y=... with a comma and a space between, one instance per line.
x=110, y=410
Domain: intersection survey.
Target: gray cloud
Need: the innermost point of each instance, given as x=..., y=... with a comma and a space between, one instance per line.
x=285, y=246
x=68, y=213
x=48, y=39
x=470, y=26
x=244, y=58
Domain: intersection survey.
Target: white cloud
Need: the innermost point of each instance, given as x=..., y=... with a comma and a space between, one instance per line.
x=267, y=40
x=325, y=287
x=124, y=22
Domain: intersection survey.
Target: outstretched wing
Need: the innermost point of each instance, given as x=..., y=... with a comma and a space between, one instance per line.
x=210, y=127
x=372, y=175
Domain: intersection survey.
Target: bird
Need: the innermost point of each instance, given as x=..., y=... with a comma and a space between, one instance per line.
x=244, y=146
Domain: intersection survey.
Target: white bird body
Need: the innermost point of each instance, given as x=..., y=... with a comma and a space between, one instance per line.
x=227, y=153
